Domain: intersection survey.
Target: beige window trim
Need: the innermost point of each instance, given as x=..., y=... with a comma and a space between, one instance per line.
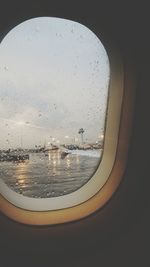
x=99, y=189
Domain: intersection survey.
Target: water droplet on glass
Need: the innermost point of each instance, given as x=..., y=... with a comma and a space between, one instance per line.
x=6, y=68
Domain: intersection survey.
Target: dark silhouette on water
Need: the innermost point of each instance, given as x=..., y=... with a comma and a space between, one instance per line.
x=13, y=157
x=64, y=154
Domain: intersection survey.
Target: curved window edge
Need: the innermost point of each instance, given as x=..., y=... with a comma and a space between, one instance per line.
x=123, y=90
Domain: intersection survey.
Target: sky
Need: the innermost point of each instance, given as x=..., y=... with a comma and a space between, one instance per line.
x=54, y=79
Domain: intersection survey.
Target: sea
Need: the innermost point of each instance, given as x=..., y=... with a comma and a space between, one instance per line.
x=49, y=175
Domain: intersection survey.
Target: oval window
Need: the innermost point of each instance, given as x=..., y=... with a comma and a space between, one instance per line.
x=53, y=92
x=65, y=118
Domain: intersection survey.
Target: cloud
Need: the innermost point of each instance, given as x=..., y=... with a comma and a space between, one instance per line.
x=54, y=79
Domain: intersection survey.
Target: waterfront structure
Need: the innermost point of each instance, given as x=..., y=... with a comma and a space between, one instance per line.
x=81, y=131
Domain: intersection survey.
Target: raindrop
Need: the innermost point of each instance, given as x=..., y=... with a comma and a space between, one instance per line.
x=55, y=106
x=29, y=39
x=37, y=29
x=6, y=68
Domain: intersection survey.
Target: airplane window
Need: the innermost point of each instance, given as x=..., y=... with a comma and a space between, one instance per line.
x=61, y=96
x=54, y=87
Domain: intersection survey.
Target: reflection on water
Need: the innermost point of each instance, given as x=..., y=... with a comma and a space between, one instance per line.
x=47, y=175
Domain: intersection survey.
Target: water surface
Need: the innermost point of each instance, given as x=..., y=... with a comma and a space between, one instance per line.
x=49, y=175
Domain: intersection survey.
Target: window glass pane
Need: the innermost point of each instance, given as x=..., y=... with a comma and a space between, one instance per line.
x=54, y=78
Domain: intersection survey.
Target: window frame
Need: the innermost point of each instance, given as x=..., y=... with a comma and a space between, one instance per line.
x=120, y=110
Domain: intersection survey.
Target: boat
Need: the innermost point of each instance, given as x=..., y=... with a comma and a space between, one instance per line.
x=51, y=148
x=64, y=154
x=13, y=157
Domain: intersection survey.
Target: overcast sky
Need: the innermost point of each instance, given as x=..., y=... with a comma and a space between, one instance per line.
x=54, y=76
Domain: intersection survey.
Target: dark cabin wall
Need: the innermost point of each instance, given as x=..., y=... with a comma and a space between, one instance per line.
x=117, y=235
